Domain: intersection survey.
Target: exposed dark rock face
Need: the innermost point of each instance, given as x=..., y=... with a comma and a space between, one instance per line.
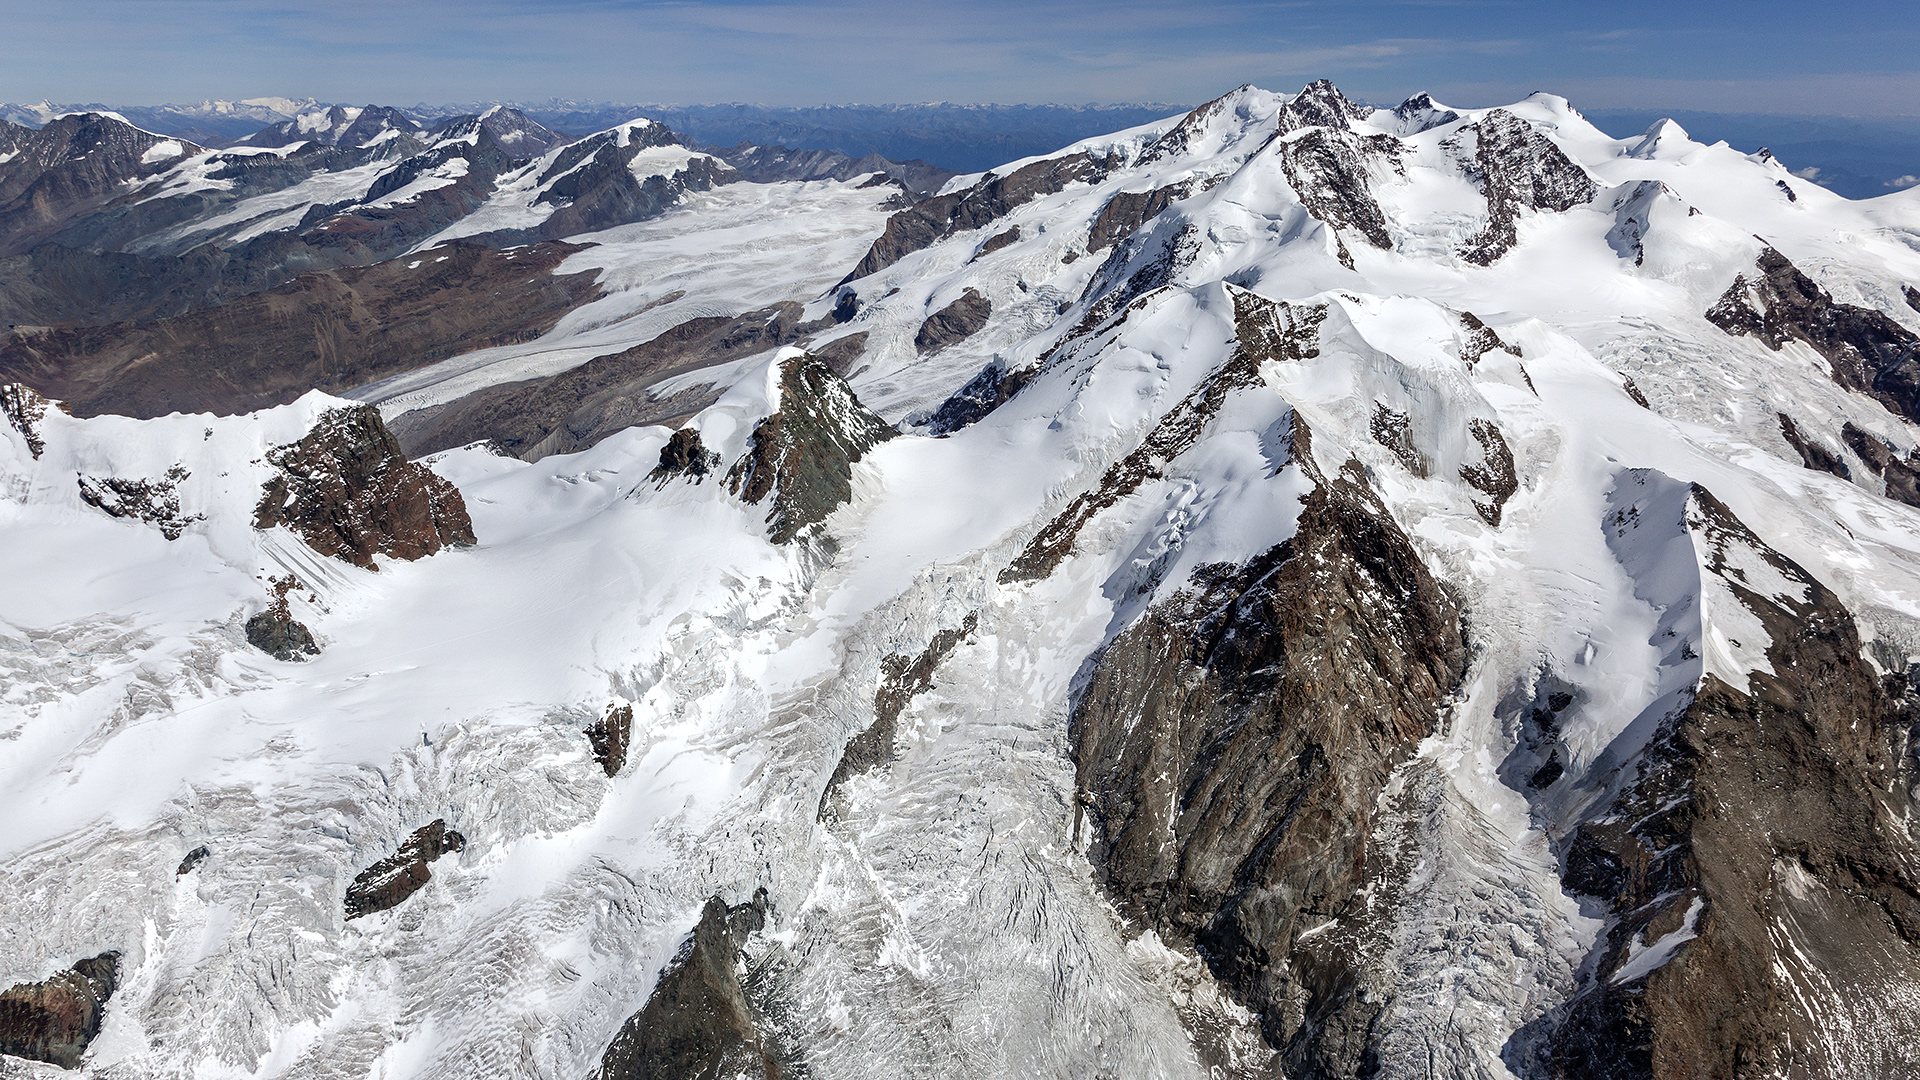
x=193, y=860
x=1328, y=170
x=803, y=455
x=1764, y=895
x=53, y=1021
x=937, y=217
x=1812, y=454
x=1867, y=350
x=772, y=164
x=1913, y=296
x=390, y=881
x=997, y=241
x=1232, y=744
x=1494, y=475
x=24, y=409
x=1633, y=391
x=902, y=678
x=1902, y=475
x=609, y=736
x=698, y=1024
x=955, y=322
x=1516, y=167
x=74, y=164
x=570, y=411
x=1126, y=212
x=156, y=502
x=1267, y=331
x=684, y=455
x=280, y=636
x=1481, y=340
x=1393, y=430
x=993, y=387
x=348, y=491
x=325, y=331
x=275, y=632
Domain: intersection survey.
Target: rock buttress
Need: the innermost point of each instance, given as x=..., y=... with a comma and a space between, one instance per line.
x=1866, y=349
x=391, y=880
x=609, y=737
x=1231, y=747
x=803, y=455
x=348, y=491
x=697, y=1024
x=1764, y=900
x=53, y=1021
x=955, y=322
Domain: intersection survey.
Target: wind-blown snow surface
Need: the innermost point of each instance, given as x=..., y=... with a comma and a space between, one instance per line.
x=944, y=923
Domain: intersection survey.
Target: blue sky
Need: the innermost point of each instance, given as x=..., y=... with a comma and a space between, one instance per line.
x=1860, y=58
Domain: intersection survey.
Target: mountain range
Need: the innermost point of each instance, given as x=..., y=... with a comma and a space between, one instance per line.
x=1287, y=589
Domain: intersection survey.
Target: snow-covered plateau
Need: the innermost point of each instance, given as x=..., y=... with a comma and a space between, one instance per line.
x=1294, y=590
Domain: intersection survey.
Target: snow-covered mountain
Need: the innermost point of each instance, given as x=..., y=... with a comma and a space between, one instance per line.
x=1292, y=590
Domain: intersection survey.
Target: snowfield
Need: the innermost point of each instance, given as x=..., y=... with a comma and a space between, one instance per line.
x=940, y=915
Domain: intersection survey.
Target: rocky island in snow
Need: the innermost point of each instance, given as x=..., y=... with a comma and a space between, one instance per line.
x=1295, y=589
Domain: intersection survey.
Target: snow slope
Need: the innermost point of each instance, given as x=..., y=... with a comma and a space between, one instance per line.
x=945, y=919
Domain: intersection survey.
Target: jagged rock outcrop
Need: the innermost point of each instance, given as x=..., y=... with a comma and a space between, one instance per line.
x=684, y=455
x=1812, y=454
x=698, y=1024
x=955, y=322
x=1482, y=340
x=1267, y=330
x=993, y=387
x=276, y=632
x=803, y=455
x=390, y=881
x=1913, y=296
x=281, y=636
x=1328, y=169
x=348, y=491
x=192, y=861
x=1493, y=476
x=1763, y=895
x=1393, y=430
x=53, y=1021
x=1516, y=168
x=609, y=737
x=1902, y=475
x=323, y=331
x=24, y=409
x=575, y=409
x=1231, y=746
x=1866, y=349
x=154, y=501
x=902, y=678
x=939, y=216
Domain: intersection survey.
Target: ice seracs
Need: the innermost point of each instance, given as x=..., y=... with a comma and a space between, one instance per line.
x=1292, y=587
